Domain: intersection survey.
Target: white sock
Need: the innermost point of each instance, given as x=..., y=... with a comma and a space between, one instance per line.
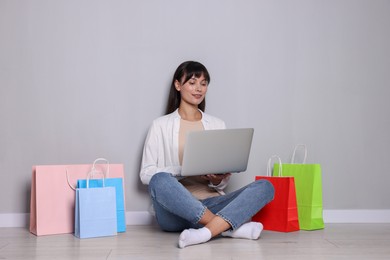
x=194, y=236
x=250, y=230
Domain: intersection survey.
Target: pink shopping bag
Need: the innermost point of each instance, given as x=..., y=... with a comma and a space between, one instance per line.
x=52, y=202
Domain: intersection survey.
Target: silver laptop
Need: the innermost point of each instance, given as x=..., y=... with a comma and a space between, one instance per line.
x=216, y=151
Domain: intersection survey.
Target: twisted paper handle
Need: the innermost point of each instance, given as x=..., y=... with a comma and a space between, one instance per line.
x=295, y=149
x=269, y=165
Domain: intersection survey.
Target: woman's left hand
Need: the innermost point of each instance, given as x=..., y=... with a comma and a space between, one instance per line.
x=215, y=179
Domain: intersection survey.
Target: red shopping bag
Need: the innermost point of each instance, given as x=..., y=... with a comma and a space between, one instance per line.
x=281, y=214
x=52, y=202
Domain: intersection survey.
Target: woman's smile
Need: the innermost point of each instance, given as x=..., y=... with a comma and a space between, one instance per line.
x=197, y=96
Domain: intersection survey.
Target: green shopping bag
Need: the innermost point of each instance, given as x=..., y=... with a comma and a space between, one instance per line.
x=308, y=185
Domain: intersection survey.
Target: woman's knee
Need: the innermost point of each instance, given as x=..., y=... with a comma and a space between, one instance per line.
x=158, y=181
x=158, y=177
x=267, y=189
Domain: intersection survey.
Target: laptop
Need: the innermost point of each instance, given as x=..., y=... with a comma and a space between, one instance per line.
x=217, y=151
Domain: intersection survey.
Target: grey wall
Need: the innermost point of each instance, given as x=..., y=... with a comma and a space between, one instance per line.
x=84, y=79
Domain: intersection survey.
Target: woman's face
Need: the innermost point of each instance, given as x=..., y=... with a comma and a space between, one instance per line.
x=193, y=91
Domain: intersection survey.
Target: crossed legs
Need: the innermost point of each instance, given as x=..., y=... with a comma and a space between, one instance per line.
x=176, y=209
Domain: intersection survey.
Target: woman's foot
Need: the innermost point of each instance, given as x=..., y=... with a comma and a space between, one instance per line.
x=194, y=236
x=250, y=230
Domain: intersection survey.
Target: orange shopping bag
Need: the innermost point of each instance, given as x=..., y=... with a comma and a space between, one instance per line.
x=281, y=214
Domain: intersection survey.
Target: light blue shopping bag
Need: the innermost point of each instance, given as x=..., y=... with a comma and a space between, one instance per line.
x=120, y=204
x=95, y=211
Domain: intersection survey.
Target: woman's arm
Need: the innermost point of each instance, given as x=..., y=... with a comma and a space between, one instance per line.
x=153, y=159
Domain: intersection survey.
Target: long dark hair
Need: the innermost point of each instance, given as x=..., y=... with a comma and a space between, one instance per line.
x=183, y=73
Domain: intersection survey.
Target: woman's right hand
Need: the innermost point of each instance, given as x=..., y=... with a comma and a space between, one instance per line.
x=215, y=179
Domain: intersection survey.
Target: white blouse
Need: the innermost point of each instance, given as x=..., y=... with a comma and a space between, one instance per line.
x=161, y=149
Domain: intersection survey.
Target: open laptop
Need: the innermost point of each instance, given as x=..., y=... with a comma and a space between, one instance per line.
x=216, y=151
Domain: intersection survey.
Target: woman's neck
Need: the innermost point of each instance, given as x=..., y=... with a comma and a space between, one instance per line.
x=190, y=113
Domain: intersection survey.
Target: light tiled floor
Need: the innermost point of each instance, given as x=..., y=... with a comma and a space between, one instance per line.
x=336, y=241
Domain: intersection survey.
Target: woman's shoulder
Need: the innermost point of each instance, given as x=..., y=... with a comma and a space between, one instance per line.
x=162, y=120
x=214, y=121
x=210, y=117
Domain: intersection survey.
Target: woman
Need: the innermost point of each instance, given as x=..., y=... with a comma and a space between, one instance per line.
x=196, y=206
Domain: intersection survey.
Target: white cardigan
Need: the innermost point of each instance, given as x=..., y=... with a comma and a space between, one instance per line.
x=161, y=149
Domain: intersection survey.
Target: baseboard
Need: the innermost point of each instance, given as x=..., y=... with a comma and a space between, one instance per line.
x=139, y=218
x=14, y=219
x=356, y=216
x=145, y=218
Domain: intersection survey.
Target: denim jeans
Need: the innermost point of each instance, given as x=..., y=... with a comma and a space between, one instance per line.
x=176, y=209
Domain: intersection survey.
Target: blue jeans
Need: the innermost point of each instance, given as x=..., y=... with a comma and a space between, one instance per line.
x=176, y=209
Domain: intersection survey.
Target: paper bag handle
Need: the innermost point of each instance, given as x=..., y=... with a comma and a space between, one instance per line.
x=269, y=165
x=92, y=172
x=67, y=179
x=295, y=149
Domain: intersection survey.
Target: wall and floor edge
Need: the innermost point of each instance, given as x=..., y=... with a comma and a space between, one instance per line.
x=145, y=218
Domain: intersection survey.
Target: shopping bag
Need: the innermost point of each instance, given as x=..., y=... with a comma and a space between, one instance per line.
x=110, y=182
x=308, y=185
x=281, y=214
x=52, y=200
x=95, y=211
